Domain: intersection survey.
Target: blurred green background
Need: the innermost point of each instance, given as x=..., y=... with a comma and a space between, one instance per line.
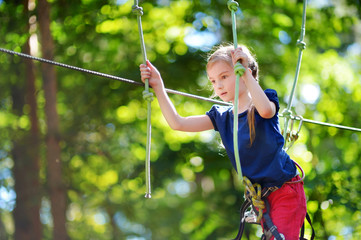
x=101, y=132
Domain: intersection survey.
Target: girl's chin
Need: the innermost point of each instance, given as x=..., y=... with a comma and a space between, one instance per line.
x=226, y=99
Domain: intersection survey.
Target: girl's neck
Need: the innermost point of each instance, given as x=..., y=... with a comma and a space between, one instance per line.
x=244, y=101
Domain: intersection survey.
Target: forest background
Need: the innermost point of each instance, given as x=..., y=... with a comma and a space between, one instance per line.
x=72, y=145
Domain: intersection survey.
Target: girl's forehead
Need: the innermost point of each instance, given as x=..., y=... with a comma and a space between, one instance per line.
x=219, y=66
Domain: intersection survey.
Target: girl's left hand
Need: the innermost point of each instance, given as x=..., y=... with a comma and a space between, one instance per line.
x=239, y=56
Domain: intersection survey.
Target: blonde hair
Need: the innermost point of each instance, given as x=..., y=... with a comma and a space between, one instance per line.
x=223, y=53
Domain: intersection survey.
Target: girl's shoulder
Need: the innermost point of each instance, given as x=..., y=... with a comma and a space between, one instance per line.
x=273, y=97
x=219, y=109
x=219, y=114
x=270, y=92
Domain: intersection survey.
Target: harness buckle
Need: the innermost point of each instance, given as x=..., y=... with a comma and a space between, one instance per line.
x=251, y=217
x=267, y=235
x=268, y=191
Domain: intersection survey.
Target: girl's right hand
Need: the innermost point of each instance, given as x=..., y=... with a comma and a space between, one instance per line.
x=239, y=56
x=148, y=71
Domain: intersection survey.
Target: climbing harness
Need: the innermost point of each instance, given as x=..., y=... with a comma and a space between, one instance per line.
x=148, y=96
x=239, y=71
x=256, y=199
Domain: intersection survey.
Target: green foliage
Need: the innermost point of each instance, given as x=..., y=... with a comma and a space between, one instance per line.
x=195, y=193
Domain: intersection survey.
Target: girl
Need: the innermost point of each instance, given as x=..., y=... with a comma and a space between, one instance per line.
x=263, y=159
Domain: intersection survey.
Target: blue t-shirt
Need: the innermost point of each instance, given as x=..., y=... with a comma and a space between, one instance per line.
x=265, y=161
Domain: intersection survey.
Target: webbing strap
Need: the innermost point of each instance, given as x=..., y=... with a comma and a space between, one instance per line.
x=268, y=222
x=308, y=218
x=148, y=96
x=246, y=204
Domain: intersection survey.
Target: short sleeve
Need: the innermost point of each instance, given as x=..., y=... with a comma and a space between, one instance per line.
x=212, y=114
x=272, y=96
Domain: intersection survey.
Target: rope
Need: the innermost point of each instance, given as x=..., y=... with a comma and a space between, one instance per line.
x=23, y=55
x=325, y=124
x=302, y=174
x=239, y=71
x=302, y=46
x=148, y=96
x=254, y=194
x=129, y=81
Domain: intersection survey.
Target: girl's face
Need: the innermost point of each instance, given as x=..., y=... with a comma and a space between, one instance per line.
x=223, y=79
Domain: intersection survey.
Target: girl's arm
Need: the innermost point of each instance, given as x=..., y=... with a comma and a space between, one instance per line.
x=174, y=120
x=265, y=107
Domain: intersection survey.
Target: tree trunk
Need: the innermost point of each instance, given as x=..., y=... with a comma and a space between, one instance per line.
x=26, y=163
x=3, y=233
x=26, y=158
x=57, y=191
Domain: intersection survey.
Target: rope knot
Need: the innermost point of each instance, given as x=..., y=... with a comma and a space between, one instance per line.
x=148, y=96
x=137, y=10
x=287, y=113
x=232, y=5
x=254, y=193
x=239, y=69
x=301, y=44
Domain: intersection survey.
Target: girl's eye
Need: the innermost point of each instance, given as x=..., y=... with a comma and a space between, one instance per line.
x=224, y=76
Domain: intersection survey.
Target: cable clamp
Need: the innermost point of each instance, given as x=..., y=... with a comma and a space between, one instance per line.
x=232, y=5
x=137, y=10
x=301, y=44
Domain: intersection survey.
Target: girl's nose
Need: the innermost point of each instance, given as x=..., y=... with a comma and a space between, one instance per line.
x=219, y=85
